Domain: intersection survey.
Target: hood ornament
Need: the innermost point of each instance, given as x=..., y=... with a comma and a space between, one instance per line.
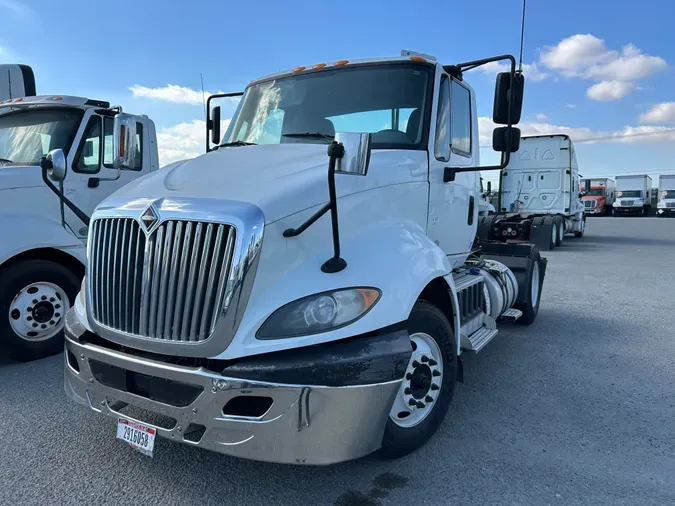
x=149, y=218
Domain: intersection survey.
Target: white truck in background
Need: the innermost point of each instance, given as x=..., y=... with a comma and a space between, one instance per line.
x=633, y=195
x=42, y=252
x=666, y=203
x=599, y=198
x=259, y=322
x=539, y=195
x=485, y=207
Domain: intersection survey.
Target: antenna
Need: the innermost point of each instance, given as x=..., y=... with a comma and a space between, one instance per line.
x=201, y=77
x=522, y=37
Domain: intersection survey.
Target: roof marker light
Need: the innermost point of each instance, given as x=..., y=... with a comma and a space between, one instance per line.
x=418, y=58
x=299, y=69
x=57, y=98
x=339, y=63
x=319, y=66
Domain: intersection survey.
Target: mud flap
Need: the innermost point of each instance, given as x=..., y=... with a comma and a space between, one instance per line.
x=540, y=233
x=518, y=258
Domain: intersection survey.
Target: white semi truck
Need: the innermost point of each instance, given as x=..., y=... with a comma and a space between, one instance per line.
x=666, y=203
x=539, y=196
x=299, y=294
x=42, y=252
x=633, y=196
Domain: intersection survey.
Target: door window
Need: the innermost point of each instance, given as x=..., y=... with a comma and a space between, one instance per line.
x=88, y=156
x=461, y=119
x=442, y=144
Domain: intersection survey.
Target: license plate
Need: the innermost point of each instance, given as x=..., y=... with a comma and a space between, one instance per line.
x=140, y=437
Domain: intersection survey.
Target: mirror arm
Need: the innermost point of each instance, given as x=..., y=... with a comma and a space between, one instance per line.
x=94, y=181
x=449, y=172
x=209, y=123
x=335, y=263
x=46, y=165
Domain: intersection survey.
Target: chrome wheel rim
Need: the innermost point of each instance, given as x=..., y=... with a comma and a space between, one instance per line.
x=561, y=233
x=554, y=233
x=37, y=311
x=535, y=284
x=422, y=383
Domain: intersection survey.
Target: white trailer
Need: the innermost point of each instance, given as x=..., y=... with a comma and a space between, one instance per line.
x=42, y=252
x=260, y=328
x=666, y=203
x=600, y=196
x=539, y=197
x=633, y=195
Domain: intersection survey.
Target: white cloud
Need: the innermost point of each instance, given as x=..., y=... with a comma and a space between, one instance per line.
x=586, y=56
x=659, y=113
x=541, y=117
x=571, y=106
x=531, y=71
x=627, y=135
x=171, y=93
x=184, y=140
x=609, y=90
x=19, y=9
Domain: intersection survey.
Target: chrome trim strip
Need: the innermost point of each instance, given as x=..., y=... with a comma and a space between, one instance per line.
x=244, y=241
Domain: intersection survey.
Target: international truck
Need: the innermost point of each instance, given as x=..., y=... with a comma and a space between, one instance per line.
x=599, y=198
x=633, y=196
x=42, y=252
x=666, y=204
x=304, y=292
x=539, y=195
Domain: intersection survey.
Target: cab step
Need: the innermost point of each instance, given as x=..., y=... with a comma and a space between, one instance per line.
x=510, y=315
x=481, y=337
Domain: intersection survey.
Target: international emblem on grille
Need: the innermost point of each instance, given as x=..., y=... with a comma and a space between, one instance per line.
x=149, y=218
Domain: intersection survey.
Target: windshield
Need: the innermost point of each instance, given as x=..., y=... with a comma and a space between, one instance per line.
x=599, y=192
x=630, y=193
x=388, y=101
x=668, y=194
x=29, y=134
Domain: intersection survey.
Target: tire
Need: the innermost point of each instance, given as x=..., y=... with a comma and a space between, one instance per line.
x=553, y=234
x=583, y=229
x=530, y=307
x=425, y=319
x=560, y=238
x=485, y=224
x=19, y=314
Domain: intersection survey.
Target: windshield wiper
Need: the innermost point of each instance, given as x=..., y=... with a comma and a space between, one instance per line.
x=236, y=143
x=310, y=135
x=5, y=160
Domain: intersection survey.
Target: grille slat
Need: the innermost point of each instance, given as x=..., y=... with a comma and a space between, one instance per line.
x=165, y=285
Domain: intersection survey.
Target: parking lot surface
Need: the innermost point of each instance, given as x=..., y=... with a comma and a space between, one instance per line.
x=579, y=408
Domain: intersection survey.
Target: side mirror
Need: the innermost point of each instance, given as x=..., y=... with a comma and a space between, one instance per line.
x=124, y=142
x=55, y=165
x=499, y=139
x=489, y=186
x=356, y=158
x=214, y=125
x=506, y=98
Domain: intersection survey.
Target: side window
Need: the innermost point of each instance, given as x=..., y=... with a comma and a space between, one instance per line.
x=108, y=125
x=442, y=144
x=139, y=146
x=88, y=156
x=461, y=119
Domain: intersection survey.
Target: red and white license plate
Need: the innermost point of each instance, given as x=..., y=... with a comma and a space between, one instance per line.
x=140, y=437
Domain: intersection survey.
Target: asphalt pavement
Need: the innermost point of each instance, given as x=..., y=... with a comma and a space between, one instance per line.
x=578, y=408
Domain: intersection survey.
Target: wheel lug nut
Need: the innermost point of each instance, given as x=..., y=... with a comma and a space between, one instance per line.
x=57, y=314
x=407, y=391
x=425, y=358
x=51, y=322
x=428, y=398
x=412, y=402
x=44, y=326
x=434, y=386
x=44, y=297
x=29, y=318
x=35, y=301
x=420, y=405
x=35, y=324
x=56, y=306
x=29, y=309
x=416, y=363
x=436, y=373
x=408, y=376
x=432, y=362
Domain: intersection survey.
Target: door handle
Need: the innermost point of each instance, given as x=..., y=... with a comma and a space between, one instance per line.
x=471, y=205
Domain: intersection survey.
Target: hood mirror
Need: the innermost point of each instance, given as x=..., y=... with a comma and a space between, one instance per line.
x=55, y=165
x=356, y=156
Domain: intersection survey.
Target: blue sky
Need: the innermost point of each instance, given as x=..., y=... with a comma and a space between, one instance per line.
x=595, y=68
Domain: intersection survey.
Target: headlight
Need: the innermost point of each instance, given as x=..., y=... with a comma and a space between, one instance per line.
x=317, y=313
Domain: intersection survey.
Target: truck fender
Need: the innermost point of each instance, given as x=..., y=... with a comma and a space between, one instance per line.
x=22, y=233
x=407, y=262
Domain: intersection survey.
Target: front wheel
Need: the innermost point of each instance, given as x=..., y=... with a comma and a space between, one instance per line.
x=35, y=296
x=535, y=281
x=426, y=390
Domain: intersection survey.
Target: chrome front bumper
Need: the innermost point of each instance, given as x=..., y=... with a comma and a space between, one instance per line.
x=305, y=424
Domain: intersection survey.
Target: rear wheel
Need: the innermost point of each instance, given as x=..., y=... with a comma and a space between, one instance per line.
x=35, y=296
x=426, y=390
x=554, y=234
x=561, y=231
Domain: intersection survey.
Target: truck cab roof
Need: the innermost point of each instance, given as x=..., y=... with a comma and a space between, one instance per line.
x=52, y=100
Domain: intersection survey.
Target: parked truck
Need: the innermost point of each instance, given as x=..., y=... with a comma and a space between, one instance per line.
x=539, y=197
x=42, y=252
x=299, y=294
x=598, y=199
x=633, y=196
x=485, y=207
x=666, y=205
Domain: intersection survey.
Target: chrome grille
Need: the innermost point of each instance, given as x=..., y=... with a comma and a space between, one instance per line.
x=670, y=204
x=627, y=202
x=166, y=285
x=589, y=204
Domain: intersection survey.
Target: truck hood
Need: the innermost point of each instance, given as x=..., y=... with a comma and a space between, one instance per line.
x=281, y=179
x=20, y=176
